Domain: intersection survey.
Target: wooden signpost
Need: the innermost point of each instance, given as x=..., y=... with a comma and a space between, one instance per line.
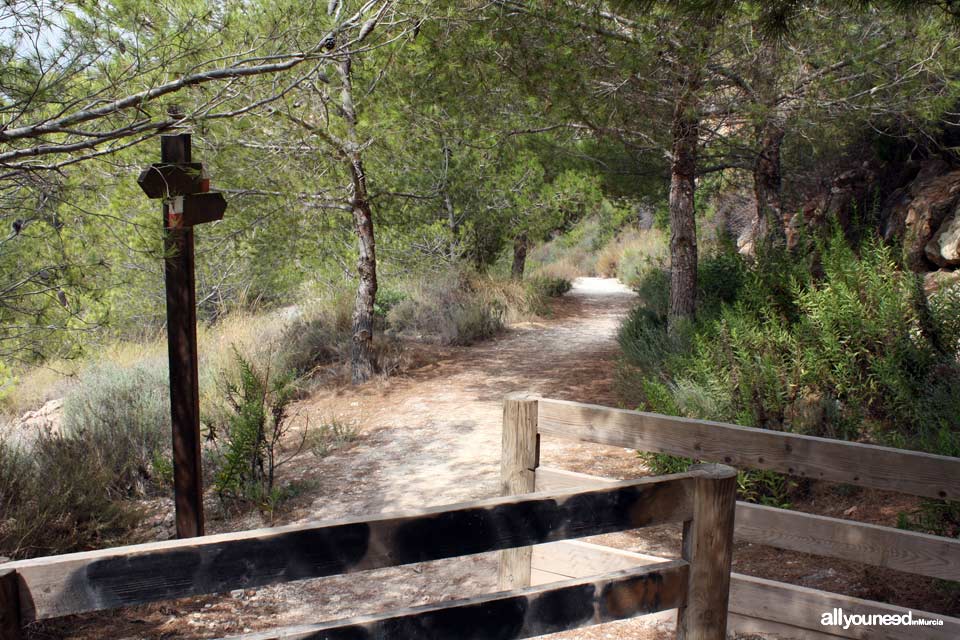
x=187, y=201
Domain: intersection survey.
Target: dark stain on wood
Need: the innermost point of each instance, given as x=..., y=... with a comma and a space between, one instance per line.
x=250, y=563
x=524, y=613
x=197, y=566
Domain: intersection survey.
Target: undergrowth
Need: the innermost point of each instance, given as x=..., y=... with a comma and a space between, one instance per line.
x=837, y=342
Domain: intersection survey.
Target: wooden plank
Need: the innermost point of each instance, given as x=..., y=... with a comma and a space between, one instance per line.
x=539, y=577
x=756, y=605
x=74, y=583
x=525, y=613
x=518, y=462
x=708, y=547
x=549, y=479
x=802, y=607
x=907, y=551
x=579, y=559
x=10, y=622
x=738, y=625
x=911, y=472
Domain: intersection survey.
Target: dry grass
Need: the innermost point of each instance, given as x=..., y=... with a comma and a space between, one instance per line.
x=565, y=269
x=630, y=250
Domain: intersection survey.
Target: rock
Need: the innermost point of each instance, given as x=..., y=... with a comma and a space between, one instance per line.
x=834, y=203
x=944, y=248
x=923, y=209
x=937, y=280
x=897, y=204
x=46, y=420
x=736, y=215
x=48, y=417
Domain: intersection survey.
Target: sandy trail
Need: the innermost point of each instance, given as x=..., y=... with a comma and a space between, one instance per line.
x=428, y=438
x=434, y=436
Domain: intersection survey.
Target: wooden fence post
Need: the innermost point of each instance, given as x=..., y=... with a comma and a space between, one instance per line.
x=518, y=462
x=10, y=622
x=708, y=547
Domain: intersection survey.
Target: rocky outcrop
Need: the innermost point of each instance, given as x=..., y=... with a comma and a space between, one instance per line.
x=937, y=280
x=736, y=215
x=918, y=212
x=944, y=248
x=846, y=193
x=31, y=425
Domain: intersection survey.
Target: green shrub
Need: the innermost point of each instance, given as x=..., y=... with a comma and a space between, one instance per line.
x=248, y=430
x=843, y=344
x=122, y=415
x=333, y=434
x=652, y=285
x=762, y=486
x=451, y=310
x=721, y=276
x=310, y=343
x=386, y=300
x=759, y=486
x=550, y=287
x=662, y=464
x=844, y=356
x=69, y=491
x=56, y=498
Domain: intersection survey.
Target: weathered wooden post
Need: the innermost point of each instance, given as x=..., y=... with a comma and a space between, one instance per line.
x=10, y=623
x=518, y=462
x=708, y=547
x=183, y=187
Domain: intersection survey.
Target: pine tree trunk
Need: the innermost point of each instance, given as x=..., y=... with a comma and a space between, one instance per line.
x=361, y=353
x=770, y=224
x=769, y=229
x=519, y=256
x=683, y=228
x=452, y=226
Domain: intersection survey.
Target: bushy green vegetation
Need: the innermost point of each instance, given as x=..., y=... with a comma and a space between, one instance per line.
x=855, y=351
x=331, y=435
x=605, y=244
x=123, y=415
x=461, y=308
x=70, y=490
x=248, y=428
x=76, y=489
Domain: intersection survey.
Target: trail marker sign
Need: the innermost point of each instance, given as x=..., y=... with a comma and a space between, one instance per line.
x=184, y=187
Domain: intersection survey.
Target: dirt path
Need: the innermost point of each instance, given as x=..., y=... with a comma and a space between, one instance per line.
x=427, y=438
x=433, y=437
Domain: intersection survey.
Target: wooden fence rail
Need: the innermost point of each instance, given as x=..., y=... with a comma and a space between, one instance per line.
x=785, y=609
x=82, y=582
x=919, y=474
x=907, y=551
x=523, y=613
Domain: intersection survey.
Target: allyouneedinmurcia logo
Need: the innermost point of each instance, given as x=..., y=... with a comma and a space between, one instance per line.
x=837, y=618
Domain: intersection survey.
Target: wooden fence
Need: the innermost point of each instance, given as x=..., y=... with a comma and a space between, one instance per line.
x=697, y=584
x=756, y=605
